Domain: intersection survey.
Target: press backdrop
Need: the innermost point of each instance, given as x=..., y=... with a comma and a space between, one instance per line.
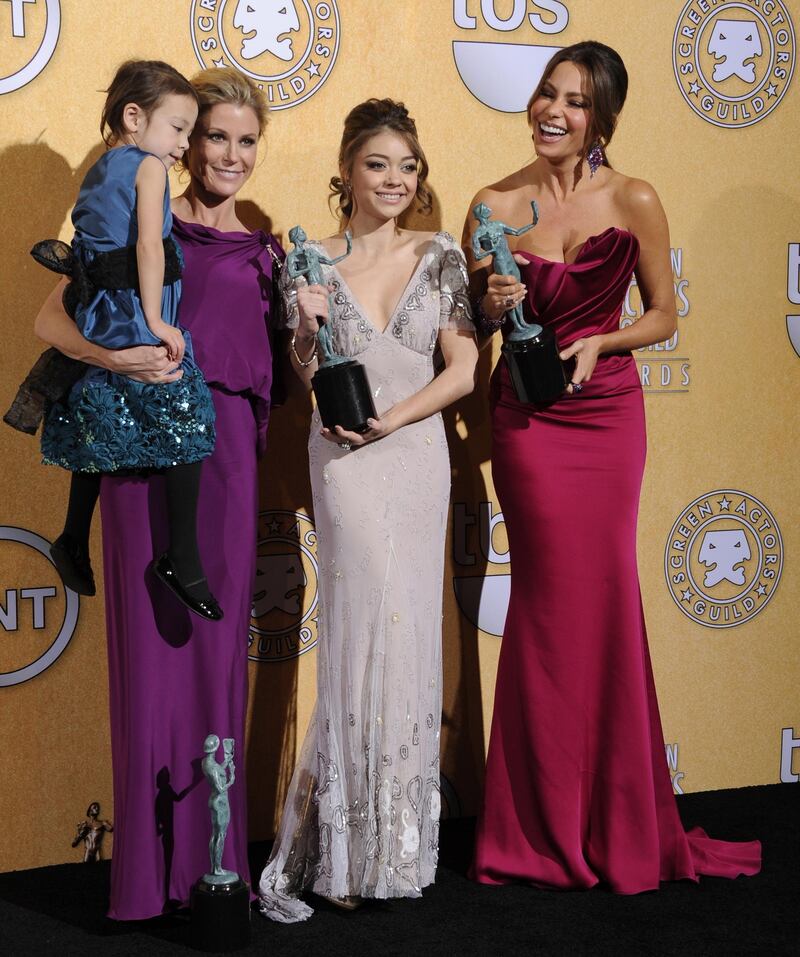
x=711, y=121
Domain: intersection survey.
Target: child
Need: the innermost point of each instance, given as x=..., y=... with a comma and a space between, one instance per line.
x=125, y=292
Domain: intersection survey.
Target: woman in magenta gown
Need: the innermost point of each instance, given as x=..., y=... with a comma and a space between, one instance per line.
x=173, y=677
x=577, y=787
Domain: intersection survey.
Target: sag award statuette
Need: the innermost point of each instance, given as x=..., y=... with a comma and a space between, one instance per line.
x=340, y=385
x=530, y=351
x=220, y=900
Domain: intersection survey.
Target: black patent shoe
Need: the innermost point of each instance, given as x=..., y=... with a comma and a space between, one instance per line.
x=72, y=562
x=207, y=608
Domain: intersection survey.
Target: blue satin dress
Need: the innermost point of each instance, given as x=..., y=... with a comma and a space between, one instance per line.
x=110, y=423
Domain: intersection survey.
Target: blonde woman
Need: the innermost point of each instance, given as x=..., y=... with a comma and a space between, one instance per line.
x=174, y=678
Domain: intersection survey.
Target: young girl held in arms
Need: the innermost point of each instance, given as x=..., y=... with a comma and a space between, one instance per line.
x=124, y=292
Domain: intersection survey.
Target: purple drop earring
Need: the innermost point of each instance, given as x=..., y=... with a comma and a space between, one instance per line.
x=595, y=158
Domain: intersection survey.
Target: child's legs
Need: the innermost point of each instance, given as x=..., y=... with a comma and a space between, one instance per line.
x=83, y=492
x=183, y=488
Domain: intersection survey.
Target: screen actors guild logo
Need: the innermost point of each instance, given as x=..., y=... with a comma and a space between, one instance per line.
x=38, y=614
x=285, y=607
x=724, y=558
x=29, y=31
x=733, y=61
x=287, y=46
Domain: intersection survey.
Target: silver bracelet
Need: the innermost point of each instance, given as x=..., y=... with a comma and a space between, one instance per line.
x=304, y=364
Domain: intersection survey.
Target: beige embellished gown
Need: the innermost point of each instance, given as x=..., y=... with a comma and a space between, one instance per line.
x=362, y=814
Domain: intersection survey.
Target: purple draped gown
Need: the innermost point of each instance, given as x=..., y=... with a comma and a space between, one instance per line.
x=173, y=677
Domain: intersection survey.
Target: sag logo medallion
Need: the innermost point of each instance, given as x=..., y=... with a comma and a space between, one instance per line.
x=288, y=47
x=734, y=61
x=283, y=621
x=724, y=558
x=38, y=614
x=29, y=31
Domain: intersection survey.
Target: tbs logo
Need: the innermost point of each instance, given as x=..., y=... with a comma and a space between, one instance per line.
x=789, y=745
x=503, y=75
x=793, y=294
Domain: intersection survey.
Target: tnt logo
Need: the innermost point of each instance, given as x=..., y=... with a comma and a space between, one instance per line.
x=789, y=746
x=37, y=613
x=29, y=32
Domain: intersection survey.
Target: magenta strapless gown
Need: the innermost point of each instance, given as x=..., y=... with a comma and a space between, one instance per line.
x=577, y=786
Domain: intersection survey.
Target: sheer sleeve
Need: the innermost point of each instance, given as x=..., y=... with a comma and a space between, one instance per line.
x=454, y=307
x=288, y=287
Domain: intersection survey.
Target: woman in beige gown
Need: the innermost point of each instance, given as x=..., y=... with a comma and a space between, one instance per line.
x=362, y=816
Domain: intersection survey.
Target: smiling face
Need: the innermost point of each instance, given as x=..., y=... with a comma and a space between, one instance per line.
x=384, y=176
x=165, y=131
x=560, y=116
x=224, y=148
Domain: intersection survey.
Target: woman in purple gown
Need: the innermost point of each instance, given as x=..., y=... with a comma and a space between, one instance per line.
x=577, y=787
x=173, y=677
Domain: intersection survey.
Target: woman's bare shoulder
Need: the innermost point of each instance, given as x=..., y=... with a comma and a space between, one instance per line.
x=633, y=194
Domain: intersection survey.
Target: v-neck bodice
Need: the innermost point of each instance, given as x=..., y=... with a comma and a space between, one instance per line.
x=435, y=297
x=404, y=295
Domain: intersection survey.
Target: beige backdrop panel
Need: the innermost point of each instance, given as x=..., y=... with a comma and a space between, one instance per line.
x=726, y=694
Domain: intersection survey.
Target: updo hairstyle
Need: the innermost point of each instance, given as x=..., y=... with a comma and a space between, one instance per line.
x=364, y=121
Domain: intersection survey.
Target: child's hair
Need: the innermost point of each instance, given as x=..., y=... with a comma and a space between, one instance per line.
x=145, y=83
x=226, y=85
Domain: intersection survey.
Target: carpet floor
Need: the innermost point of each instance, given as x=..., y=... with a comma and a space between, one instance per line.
x=60, y=910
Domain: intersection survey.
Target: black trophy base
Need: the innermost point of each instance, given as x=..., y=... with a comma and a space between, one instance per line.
x=220, y=916
x=537, y=374
x=343, y=396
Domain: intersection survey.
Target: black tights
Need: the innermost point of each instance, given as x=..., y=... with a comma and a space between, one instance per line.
x=183, y=488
